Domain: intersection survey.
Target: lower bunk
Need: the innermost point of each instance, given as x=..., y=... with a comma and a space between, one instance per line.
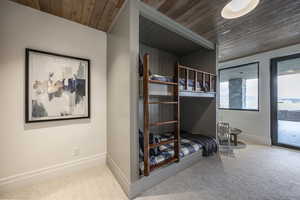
x=190, y=144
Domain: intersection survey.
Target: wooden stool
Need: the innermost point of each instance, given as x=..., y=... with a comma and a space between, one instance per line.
x=234, y=132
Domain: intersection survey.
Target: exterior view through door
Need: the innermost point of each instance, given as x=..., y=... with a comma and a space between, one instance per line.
x=285, y=101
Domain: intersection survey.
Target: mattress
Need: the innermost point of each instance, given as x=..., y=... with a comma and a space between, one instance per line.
x=167, y=151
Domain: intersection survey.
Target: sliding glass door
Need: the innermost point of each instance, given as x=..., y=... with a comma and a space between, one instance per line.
x=285, y=101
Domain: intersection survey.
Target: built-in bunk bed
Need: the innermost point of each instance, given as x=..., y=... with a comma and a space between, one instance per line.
x=177, y=109
x=159, y=150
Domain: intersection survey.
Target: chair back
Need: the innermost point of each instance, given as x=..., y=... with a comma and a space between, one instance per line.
x=223, y=129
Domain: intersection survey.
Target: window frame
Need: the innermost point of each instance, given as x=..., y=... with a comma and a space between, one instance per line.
x=258, y=87
x=273, y=99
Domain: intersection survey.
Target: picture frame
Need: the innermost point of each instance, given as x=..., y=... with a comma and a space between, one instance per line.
x=57, y=87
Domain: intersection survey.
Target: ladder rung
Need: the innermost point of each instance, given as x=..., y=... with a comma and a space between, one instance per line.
x=163, y=123
x=162, y=143
x=162, y=82
x=168, y=161
x=164, y=102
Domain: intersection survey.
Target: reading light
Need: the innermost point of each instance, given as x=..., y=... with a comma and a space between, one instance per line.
x=238, y=8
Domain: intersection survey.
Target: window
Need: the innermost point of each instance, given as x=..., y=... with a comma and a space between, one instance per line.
x=239, y=87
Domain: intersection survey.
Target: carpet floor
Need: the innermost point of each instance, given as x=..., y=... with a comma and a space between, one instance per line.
x=254, y=173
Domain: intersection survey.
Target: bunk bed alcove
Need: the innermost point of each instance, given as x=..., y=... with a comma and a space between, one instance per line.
x=139, y=30
x=176, y=98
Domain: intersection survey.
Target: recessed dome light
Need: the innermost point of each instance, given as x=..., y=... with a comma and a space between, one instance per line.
x=238, y=8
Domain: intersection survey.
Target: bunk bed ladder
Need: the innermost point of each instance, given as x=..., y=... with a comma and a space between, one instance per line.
x=147, y=146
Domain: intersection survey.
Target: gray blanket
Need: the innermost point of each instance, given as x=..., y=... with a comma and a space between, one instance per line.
x=209, y=144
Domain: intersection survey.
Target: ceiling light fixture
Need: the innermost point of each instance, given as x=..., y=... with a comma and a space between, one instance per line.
x=238, y=8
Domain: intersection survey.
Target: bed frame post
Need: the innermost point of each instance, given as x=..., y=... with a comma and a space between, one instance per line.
x=186, y=79
x=177, y=112
x=203, y=81
x=196, y=80
x=210, y=83
x=215, y=83
x=146, y=114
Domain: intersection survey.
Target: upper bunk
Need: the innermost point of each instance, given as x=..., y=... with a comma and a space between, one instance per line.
x=192, y=83
x=167, y=48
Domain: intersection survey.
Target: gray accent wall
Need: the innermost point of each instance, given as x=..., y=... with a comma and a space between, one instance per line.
x=157, y=36
x=198, y=115
x=123, y=113
x=122, y=95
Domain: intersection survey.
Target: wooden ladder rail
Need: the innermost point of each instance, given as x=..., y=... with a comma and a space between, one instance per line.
x=146, y=115
x=147, y=124
x=177, y=114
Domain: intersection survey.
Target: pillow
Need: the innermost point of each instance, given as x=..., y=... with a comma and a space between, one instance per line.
x=153, y=139
x=141, y=67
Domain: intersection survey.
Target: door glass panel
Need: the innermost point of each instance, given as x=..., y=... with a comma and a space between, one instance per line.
x=288, y=102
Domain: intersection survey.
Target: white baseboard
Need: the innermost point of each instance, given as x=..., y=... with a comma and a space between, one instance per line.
x=254, y=139
x=134, y=189
x=119, y=175
x=162, y=174
x=31, y=177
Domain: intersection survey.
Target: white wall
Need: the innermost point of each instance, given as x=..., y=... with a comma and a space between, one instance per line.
x=28, y=147
x=256, y=125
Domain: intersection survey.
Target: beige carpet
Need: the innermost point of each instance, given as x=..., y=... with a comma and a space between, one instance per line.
x=254, y=173
x=91, y=184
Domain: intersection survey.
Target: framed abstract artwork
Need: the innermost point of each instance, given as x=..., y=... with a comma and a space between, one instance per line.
x=57, y=87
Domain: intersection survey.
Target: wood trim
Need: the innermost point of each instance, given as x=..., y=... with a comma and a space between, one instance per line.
x=176, y=101
x=168, y=161
x=210, y=83
x=203, y=81
x=177, y=114
x=146, y=114
x=162, y=82
x=163, y=143
x=186, y=79
x=194, y=69
x=164, y=123
x=196, y=80
x=203, y=73
x=97, y=14
x=164, y=102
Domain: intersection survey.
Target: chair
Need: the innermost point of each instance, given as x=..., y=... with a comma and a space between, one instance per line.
x=223, y=133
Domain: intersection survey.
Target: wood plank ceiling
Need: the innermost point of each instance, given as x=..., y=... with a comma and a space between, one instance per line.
x=98, y=14
x=273, y=24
